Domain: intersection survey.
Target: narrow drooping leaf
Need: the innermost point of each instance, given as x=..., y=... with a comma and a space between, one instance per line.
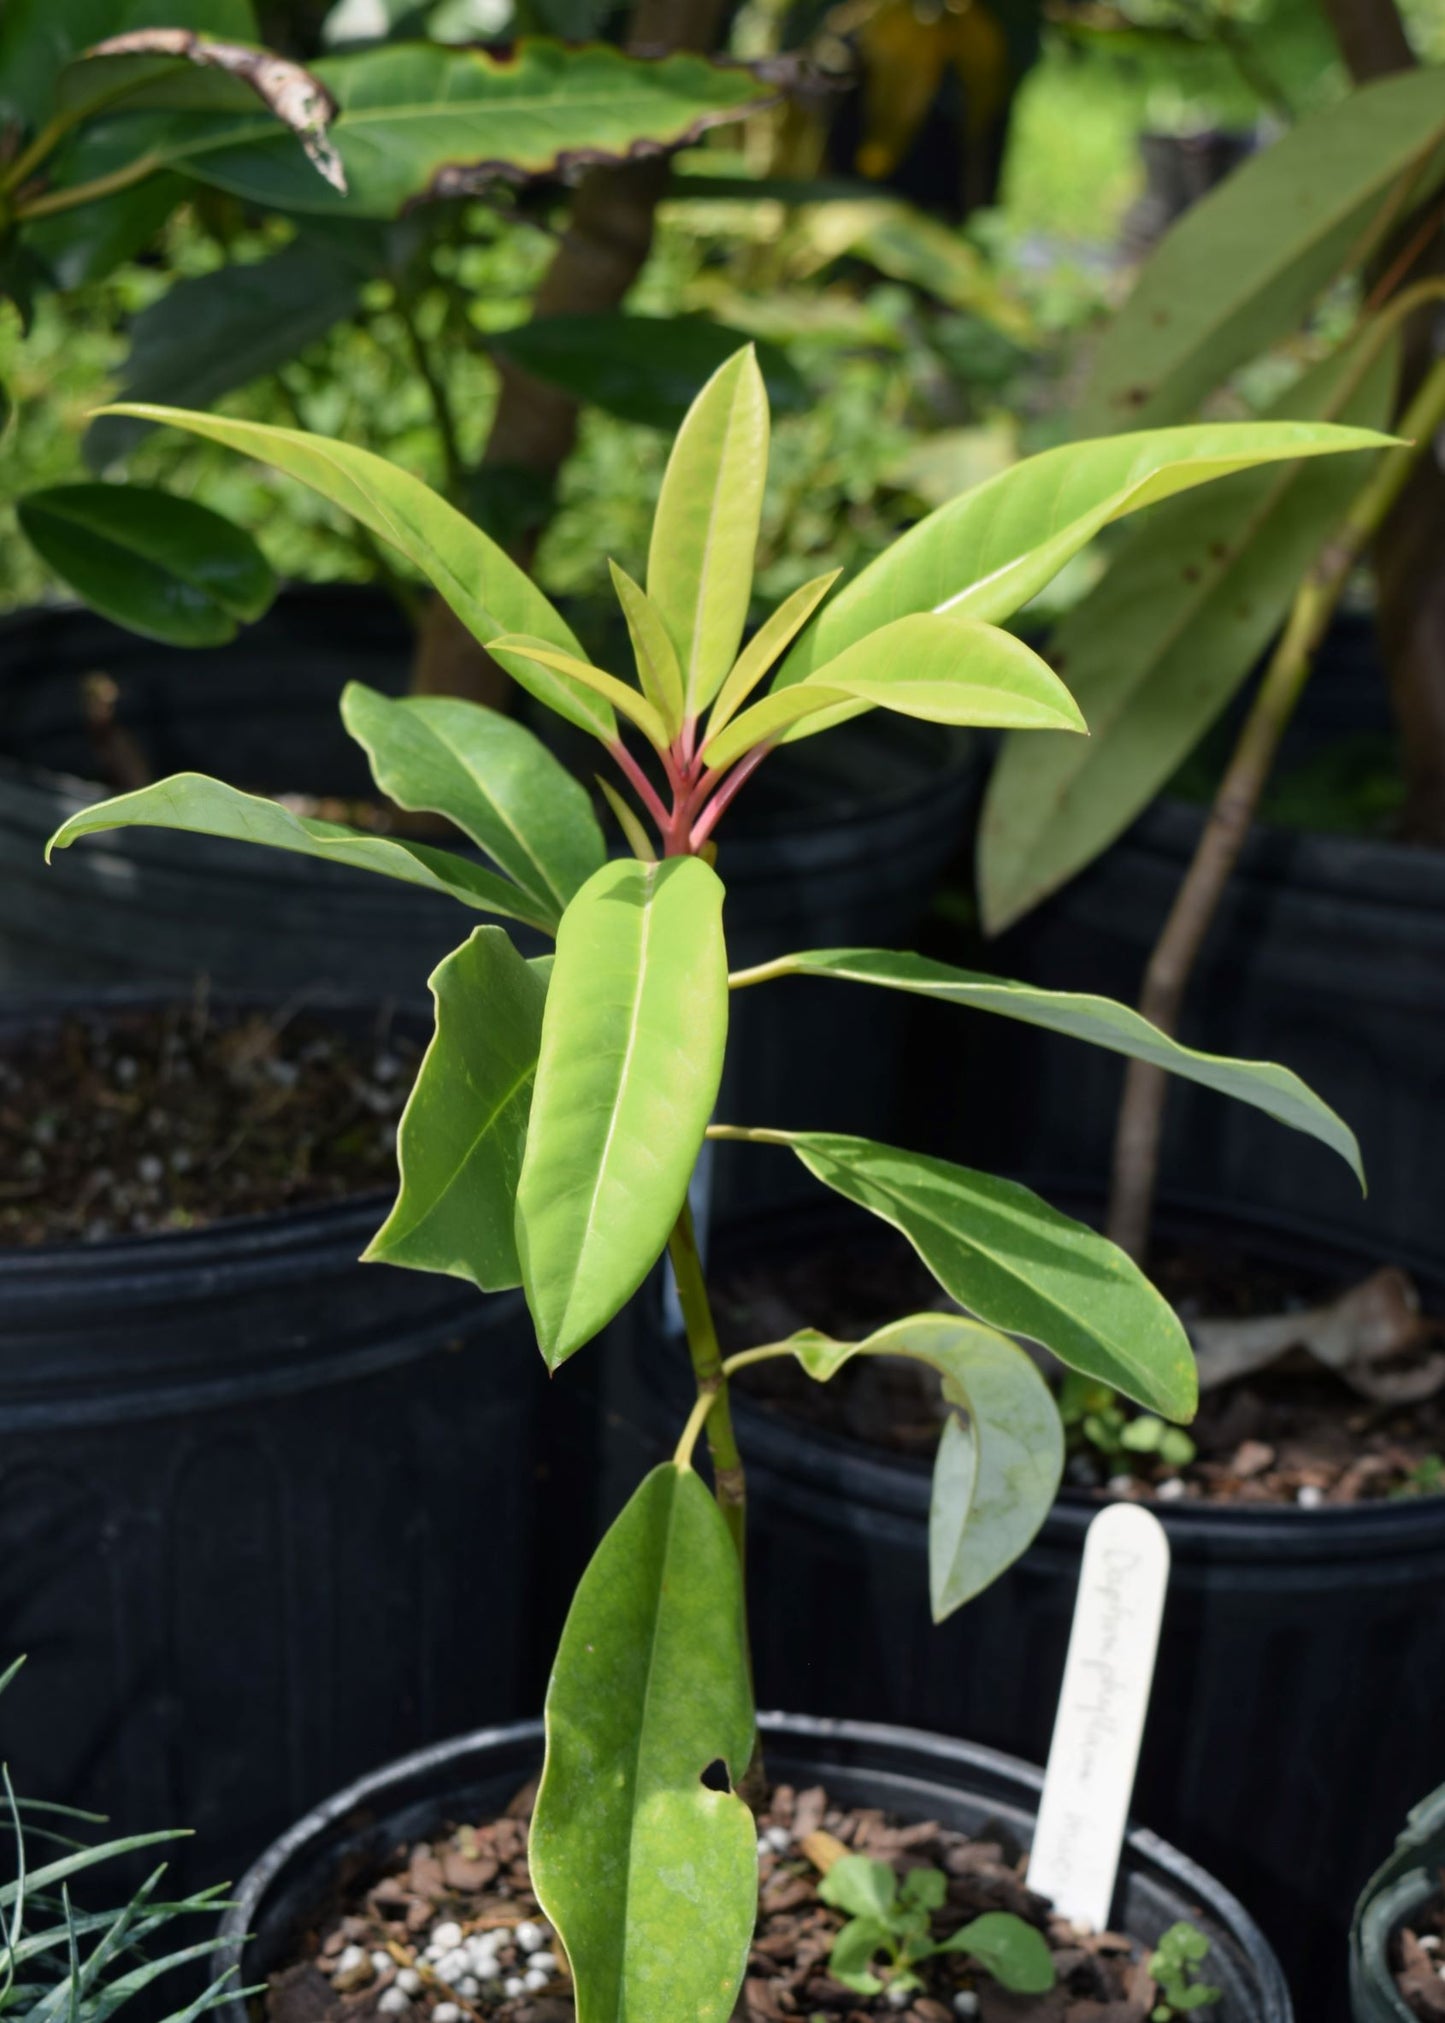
x=420, y=120
x=1016, y=1263
x=997, y=1473
x=632, y=1047
x=460, y=1143
x=1098, y=1020
x=1241, y=269
x=649, y=1876
x=776, y=633
x=647, y=369
x=1153, y=654
x=207, y=807
x=658, y=671
x=161, y=566
x=705, y=534
x=479, y=580
x=986, y=553
x=489, y=775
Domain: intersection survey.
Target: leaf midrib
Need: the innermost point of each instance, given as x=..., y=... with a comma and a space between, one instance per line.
x=675, y=1491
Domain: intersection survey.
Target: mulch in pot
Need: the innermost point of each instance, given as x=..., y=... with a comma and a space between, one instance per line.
x=1292, y=1434
x=1419, y=1962
x=152, y=1120
x=404, y=1949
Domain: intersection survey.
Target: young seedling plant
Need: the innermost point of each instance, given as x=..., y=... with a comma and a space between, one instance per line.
x=564, y=1099
x=891, y=1922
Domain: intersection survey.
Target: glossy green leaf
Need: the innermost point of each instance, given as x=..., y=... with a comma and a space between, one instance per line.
x=772, y=637
x=517, y=652
x=1156, y=650
x=1015, y=1263
x=1241, y=269
x=705, y=534
x=658, y=671
x=207, y=807
x=632, y=1048
x=985, y=554
x=492, y=777
x=855, y=1948
x=210, y=333
x=650, y=1877
x=997, y=1473
x=79, y=247
x=1098, y=1020
x=420, y=120
x=460, y=1144
x=1014, y=1952
x=774, y=716
x=860, y=1886
x=479, y=580
x=647, y=369
x=161, y=566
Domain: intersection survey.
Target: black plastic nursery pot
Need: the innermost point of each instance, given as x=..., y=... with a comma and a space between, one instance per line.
x=906, y=1773
x=1405, y=1884
x=1328, y=954
x=265, y=1516
x=840, y=841
x=1296, y=1705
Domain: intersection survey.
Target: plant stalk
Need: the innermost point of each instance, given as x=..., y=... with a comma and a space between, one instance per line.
x=729, y=1483
x=51, y=202
x=1141, y=1114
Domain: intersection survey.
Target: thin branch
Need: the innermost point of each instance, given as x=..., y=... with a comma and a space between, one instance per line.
x=732, y=785
x=441, y=401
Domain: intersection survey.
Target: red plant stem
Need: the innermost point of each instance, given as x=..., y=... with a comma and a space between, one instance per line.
x=741, y=773
x=641, y=785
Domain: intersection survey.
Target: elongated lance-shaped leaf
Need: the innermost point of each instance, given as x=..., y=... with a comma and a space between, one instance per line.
x=1098, y=1020
x=479, y=580
x=650, y=1876
x=1190, y=601
x=1014, y=1262
x=489, y=775
x=705, y=534
x=658, y=671
x=164, y=567
x=65, y=1866
x=207, y=807
x=997, y=1473
x=1241, y=269
x=459, y=1146
x=772, y=636
x=631, y=1056
x=518, y=653
x=987, y=552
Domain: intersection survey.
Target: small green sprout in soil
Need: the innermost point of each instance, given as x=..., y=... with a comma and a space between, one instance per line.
x=1093, y=1414
x=893, y=1920
x=1174, y=1963
x=1426, y=1478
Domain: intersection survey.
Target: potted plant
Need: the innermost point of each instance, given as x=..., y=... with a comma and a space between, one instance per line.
x=1395, y=1938
x=557, y=1120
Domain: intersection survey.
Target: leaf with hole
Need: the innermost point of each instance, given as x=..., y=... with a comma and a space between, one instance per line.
x=158, y=565
x=459, y=1146
x=205, y=807
x=1098, y=1020
x=632, y=1047
x=649, y=1876
x=498, y=782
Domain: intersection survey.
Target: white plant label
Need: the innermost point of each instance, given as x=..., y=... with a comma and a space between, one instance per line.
x=1100, y=1724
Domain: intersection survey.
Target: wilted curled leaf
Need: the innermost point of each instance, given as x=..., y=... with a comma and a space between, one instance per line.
x=287, y=90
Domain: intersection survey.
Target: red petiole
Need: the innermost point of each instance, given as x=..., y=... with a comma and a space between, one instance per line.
x=699, y=794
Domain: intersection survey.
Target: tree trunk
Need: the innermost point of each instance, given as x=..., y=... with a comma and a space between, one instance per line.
x=600, y=255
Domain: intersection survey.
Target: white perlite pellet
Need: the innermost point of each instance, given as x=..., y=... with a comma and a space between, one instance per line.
x=446, y=2012
x=530, y=1935
x=446, y=1937
x=393, y=2002
x=408, y=1980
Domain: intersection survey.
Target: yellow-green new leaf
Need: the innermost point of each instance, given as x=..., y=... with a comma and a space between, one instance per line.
x=207, y=807
x=517, y=653
x=657, y=664
x=705, y=534
x=1015, y=1263
x=1098, y=1020
x=632, y=1049
x=771, y=638
x=996, y=1473
x=650, y=1876
x=986, y=553
x=460, y=1144
x=774, y=716
x=948, y=670
x=479, y=580
x=489, y=775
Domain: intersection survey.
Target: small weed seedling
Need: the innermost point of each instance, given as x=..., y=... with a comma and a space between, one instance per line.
x=895, y=1921
x=1174, y=1963
x=1092, y=1413
x=565, y=1098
